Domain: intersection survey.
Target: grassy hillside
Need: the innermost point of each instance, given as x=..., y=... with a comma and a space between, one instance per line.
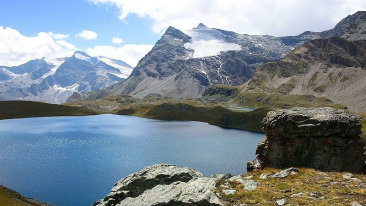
x=280, y=101
x=215, y=115
x=22, y=109
x=9, y=197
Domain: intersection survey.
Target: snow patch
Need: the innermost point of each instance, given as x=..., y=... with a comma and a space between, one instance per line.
x=125, y=71
x=72, y=88
x=208, y=42
x=56, y=64
x=82, y=57
x=204, y=48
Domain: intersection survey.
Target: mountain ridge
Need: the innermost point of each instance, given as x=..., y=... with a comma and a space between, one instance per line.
x=54, y=80
x=170, y=68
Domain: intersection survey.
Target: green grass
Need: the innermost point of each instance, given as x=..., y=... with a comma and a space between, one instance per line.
x=313, y=79
x=23, y=109
x=321, y=88
x=278, y=101
x=344, y=78
x=331, y=186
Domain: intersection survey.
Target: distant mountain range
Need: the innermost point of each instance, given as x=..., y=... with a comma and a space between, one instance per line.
x=182, y=64
x=54, y=80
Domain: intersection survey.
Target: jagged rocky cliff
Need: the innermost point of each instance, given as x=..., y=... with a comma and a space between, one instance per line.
x=321, y=138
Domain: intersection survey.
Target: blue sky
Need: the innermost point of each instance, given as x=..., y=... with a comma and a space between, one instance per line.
x=32, y=29
x=72, y=16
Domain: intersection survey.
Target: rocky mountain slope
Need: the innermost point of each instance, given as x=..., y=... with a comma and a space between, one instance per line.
x=184, y=63
x=333, y=68
x=9, y=197
x=54, y=80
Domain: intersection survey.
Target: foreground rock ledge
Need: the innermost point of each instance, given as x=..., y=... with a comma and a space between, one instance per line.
x=163, y=184
x=322, y=138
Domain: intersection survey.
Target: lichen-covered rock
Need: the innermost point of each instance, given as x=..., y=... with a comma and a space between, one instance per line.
x=163, y=184
x=321, y=138
x=195, y=192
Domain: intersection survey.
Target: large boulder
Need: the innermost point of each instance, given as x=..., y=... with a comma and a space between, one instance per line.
x=163, y=184
x=322, y=138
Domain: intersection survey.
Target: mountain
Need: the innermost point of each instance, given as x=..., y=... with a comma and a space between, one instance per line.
x=184, y=64
x=333, y=68
x=54, y=80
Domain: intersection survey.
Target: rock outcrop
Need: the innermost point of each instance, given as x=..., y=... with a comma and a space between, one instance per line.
x=163, y=184
x=321, y=138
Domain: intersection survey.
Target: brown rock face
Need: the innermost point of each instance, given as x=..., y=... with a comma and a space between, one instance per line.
x=321, y=138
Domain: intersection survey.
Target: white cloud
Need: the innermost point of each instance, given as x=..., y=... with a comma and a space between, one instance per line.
x=87, y=35
x=116, y=40
x=16, y=48
x=130, y=53
x=279, y=17
x=59, y=36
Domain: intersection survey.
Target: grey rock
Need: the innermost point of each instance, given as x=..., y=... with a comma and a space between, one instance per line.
x=163, y=184
x=263, y=176
x=355, y=204
x=300, y=194
x=281, y=202
x=321, y=138
x=285, y=173
x=347, y=176
x=229, y=191
x=316, y=194
x=248, y=184
x=195, y=192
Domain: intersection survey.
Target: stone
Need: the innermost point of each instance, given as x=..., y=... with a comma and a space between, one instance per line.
x=195, y=192
x=300, y=194
x=248, y=184
x=281, y=202
x=322, y=138
x=355, y=204
x=229, y=191
x=285, y=173
x=348, y=176
x=263, y=176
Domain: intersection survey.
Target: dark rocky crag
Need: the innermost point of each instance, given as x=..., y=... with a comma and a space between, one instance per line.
x=322, y=138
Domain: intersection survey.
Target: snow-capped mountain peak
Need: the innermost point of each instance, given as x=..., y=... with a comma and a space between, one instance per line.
x=201, y=26
x=82, y=55
x=54, y=80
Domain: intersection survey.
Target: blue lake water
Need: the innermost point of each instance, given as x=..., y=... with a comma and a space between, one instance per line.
x=76, y=160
